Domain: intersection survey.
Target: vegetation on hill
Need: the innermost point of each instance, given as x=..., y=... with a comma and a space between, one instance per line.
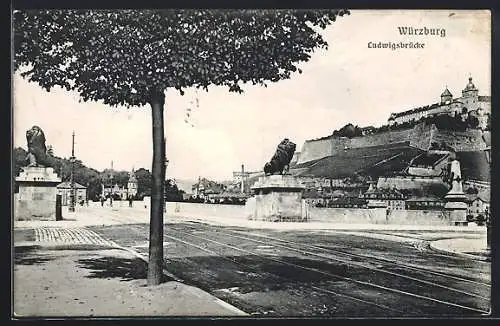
x=349, y=131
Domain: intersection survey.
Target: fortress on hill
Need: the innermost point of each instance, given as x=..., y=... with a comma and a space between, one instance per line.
x=405, y=165
x=417, y=135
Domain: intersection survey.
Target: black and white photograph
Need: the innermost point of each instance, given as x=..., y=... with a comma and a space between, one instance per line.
x=251, y=163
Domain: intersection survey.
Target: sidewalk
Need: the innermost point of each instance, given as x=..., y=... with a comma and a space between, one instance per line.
x=62, y=272
x=470, y=248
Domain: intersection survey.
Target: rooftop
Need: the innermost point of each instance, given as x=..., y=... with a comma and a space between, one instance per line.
x=67, y=185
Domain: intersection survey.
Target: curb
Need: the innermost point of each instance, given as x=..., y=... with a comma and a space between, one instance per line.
x=433, y=246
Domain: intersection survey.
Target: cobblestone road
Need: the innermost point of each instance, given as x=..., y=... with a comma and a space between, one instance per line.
x=56, y=235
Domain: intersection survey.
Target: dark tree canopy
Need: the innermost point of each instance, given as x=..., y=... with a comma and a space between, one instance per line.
x=130, y=57
x=124, y=56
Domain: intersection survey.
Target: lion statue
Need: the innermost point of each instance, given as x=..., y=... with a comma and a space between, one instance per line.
x=37, y=151
x=279, y=163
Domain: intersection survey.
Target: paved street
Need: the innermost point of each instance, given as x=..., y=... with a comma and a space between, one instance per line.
x=267, y=272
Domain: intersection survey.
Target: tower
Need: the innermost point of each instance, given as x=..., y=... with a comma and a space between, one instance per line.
x=446, y=96
x=132, y=184
x=470, y=89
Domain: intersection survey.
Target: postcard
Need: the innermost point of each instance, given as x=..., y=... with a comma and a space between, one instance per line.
x=251, y=163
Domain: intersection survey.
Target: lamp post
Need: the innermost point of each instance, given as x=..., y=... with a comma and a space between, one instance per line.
x=164, y=186
x=72, y=181
x=488, y=229
x=111, y=190
x=87, y=192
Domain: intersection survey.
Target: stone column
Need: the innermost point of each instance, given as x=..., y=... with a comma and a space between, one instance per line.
x=456, y=206
x=36, y=199
x=278, y=198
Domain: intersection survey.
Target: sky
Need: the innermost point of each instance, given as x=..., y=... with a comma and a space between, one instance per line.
x=348, y=83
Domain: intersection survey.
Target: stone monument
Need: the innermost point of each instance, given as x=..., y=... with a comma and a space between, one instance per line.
x=277, y=195
x=36, y=199
x=456, y=206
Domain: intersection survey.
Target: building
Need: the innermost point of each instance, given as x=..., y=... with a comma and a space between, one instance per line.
x=469, y=102
x=348, y=202
x=429, y=164
x=393, y=199
x=64, y=189
x=478, y=201
x=205, y=188
x=132, y=185
x=123, y=192
x=429, y=202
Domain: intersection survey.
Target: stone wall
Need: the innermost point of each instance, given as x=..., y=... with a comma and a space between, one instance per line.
x=326, y=215
x=471, y=140
x=314, y=149
x=421, y=136
x=202, y=210
x=381, y=138
x=374, y=216
x=418, y=217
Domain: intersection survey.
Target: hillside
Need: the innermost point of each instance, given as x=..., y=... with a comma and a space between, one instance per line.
x=374, y=161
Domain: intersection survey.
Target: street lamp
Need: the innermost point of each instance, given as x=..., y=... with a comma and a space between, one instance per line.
x=72, y=181
x=488, y=229
x=87, y=192
x=111, y=190
x=164, y=186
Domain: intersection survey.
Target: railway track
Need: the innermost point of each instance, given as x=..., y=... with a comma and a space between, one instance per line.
x=328, y=252
x=338, y=276
x=214, y=241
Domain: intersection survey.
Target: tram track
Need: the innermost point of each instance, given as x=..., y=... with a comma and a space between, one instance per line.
x=407, y=266
x=324, y=254
x=337, y=276
x=278, y=278
x=299, y=247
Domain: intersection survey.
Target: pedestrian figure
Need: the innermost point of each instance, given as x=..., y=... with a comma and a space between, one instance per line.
x=111, y=201
x=130, y=201
x=102, y=201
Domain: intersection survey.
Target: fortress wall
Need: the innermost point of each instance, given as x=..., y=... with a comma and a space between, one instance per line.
x=314, y=149
x=471, y=140
x=381, y=138
x=421, y=136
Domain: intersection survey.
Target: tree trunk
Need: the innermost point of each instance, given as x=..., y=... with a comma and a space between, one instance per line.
x=155, y=266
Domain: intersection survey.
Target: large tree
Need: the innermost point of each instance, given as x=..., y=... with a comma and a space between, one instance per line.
x=131, y=57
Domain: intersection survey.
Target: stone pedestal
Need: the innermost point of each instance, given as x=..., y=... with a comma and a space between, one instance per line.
x=36, y=199
x=456, y=206
x=277, y=198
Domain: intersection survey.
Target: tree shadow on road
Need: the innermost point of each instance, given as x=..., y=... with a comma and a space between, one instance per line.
x=114, y=267
x=28, y=255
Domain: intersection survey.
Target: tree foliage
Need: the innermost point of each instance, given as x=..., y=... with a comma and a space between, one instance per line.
x=144, y=178
x=130, y=57
x=123, y=56
x=349, y=131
